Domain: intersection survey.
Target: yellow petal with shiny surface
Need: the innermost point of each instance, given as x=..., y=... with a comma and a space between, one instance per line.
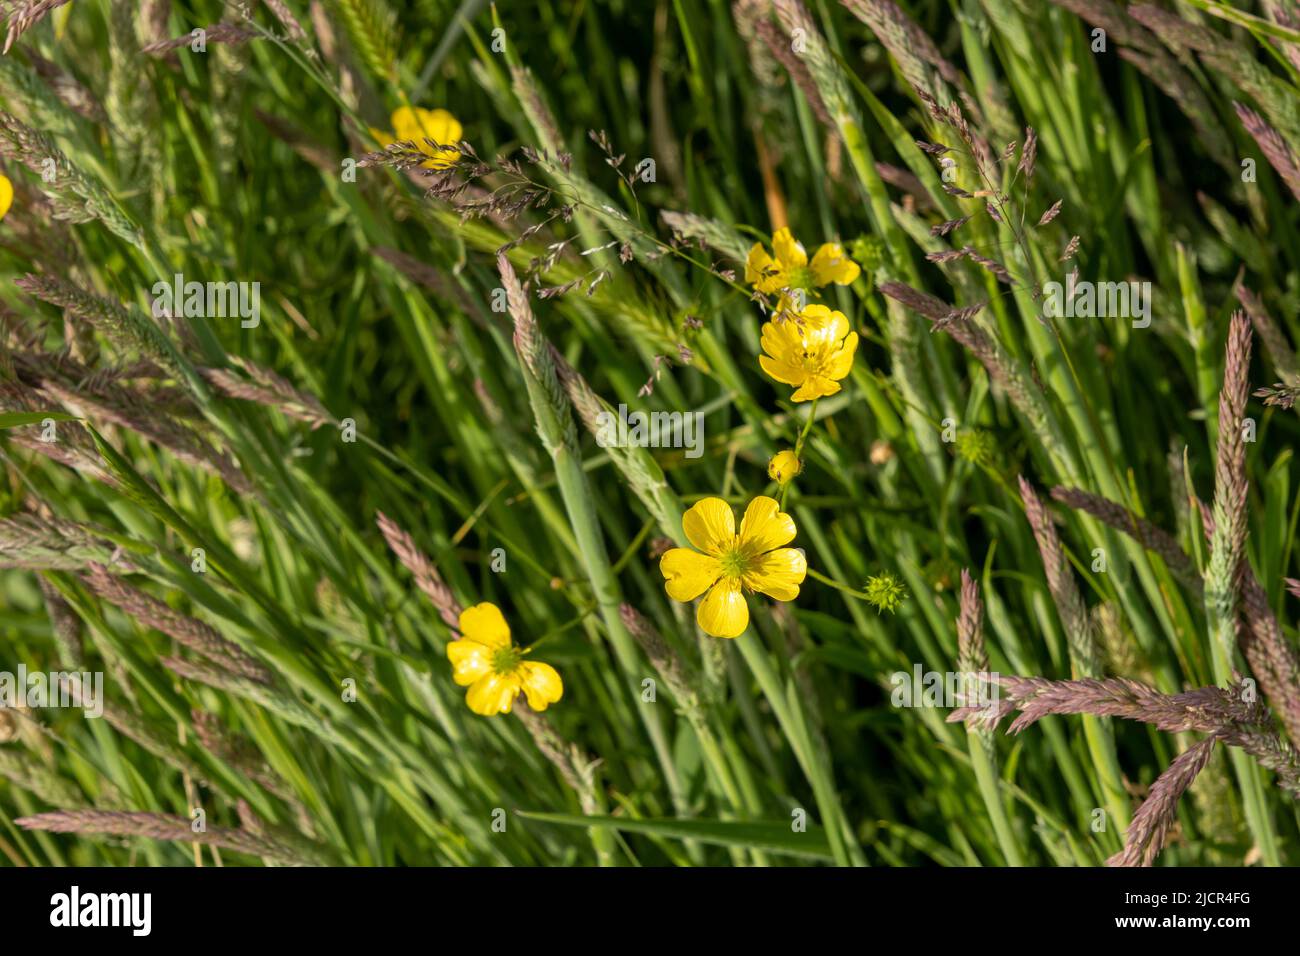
x=841, y=363
x=6, y=195
x=778, y=574
x=710, y=525
x=819, y=325
x=831, y=264
x=484, y=624
x=688, y=574
x=783, y=372
x=758, y=265
x=541, y=683
x=493, y=694
x=723, y=612
x=764, y=527
x=788, y=252
x=406, y=124
x=817, y=386
x=470, y=660
x=440, y=126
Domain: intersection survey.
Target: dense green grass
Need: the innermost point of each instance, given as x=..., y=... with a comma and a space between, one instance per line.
x=232, y=165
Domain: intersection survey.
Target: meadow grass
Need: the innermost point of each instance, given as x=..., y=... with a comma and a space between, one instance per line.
x=262, y=529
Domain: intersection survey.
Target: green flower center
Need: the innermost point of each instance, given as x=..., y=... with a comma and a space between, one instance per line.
x=802, y=278
x=733, y=561
x=505, y=660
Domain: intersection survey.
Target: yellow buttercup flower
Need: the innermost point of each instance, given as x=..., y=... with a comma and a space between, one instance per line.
x=784, y=467
x=6, y=195
x=494, y=669
x=731, y=563
x=414, y=125
x=789, y=268
x=812, y=351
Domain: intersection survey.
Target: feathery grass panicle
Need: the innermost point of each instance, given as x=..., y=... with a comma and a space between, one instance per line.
x=972, y=654
x=1274, y=148
x=1204, y=710
x=65, y=625
x=550, y=404
x=644, y=475
x=75, y=196
x=1227, y=547
x=1144, y=532
x=1153, y=820
x=47, y=542
x=123, y=326
x=41, y=781
x=426, y=576
x=817, y=55
x=911, y=47
x=166, y=826
x=218, y=33
x=667, y=662
x=1271, y=655
x=1274, y=339
x=960, y=325
x=372, y=30
x=1060, y=582
x=780, y=49
x=267, y=388
x=716, y=235
x=280, y=10
x=23, y=16
x=238, y=753
x=187, y=631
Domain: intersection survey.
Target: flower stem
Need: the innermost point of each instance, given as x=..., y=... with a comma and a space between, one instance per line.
x=798, y=445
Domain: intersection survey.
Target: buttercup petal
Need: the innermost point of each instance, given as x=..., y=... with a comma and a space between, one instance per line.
x=484, y=624
x=778, y=573
x=688, y=574
x=764, y=527
x=6, y=195
x=782, y=371
x=493, y=694
x=440, y=126
x=723, y=612
x=817, y=386
x=820, y=325
x=778, y=339
x=788, y=252
x=841, y=363
x=831, y=264
x=757, y=264
x=710, y=525
x=470, y=660
x=541, y=683
x=406, y=124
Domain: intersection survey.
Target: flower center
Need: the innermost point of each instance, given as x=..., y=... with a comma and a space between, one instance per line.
x=505, y=660
x=733, y=562
x=802, y=278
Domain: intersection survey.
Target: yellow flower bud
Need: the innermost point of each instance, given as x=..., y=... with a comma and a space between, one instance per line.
x=784, y=467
